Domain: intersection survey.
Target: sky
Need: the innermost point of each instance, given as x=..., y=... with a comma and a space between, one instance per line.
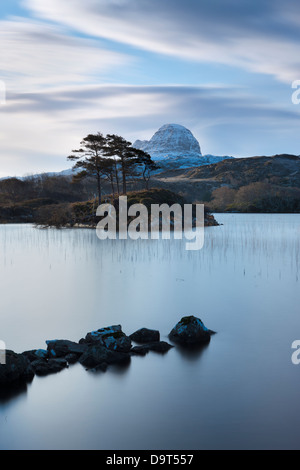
x=222, y=68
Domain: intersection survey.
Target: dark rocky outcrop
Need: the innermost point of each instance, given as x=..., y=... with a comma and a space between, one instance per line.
x=16, y=368
x=157, y=346
x=140, y=350
x=97, y=351
x=111, y=337
x=144, y=335
x=48, y=366
x=72, y=358
x=62, y=347
x=36, y=354
x=190, y=331
x=98, y=355
x=96, y=336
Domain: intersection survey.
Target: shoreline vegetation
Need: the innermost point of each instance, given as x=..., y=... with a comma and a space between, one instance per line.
x=244, y=185
x=82, y=214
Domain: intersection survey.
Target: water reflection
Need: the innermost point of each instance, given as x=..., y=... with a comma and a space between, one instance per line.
x=11, y=392
x=119, y=369
x=192, y=353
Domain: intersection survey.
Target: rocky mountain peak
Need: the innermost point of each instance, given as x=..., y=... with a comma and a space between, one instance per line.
x=171, y=140
x=174, y=147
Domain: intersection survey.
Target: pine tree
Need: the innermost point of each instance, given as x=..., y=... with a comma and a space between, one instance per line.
x=127, y=156
x=90, y=158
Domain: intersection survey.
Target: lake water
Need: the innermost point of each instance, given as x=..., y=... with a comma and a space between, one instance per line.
x=241, y=392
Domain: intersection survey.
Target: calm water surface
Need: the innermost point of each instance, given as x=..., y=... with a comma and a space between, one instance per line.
x=241, y=392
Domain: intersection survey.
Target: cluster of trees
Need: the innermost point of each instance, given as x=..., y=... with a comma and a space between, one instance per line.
x=110, y=158
x=43, y=186
x=256, y=197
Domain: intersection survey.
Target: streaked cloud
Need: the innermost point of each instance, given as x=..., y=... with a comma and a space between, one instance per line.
x=36, y=55
x=225, y=121
x=130, y=66
x=259, y=36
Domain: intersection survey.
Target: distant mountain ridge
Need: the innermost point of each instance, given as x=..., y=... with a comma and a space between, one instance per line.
x=68, y=172
x=278, y=172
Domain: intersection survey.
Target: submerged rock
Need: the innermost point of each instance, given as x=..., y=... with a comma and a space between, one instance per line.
x=48, y=366
x=145, y=335
x=98, y=355
x=140, y=350
x=160, y=346
x=190, y=331
x=157, y=346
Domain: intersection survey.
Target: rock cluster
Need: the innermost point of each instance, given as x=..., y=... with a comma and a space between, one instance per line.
x=98, y=350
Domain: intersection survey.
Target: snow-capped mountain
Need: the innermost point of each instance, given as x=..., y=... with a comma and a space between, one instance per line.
x=174, y=147
x=171, y=140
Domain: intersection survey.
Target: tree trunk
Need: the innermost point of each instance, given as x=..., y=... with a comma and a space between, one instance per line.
x=146, y=178
x=124, y=177
x=117, y=177
x=112, y=186
x=99, y=189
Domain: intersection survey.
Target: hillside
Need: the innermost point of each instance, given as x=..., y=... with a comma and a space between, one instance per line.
x=49, y=212
x=83, y=214
x=240, y=184
x=256, y=184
